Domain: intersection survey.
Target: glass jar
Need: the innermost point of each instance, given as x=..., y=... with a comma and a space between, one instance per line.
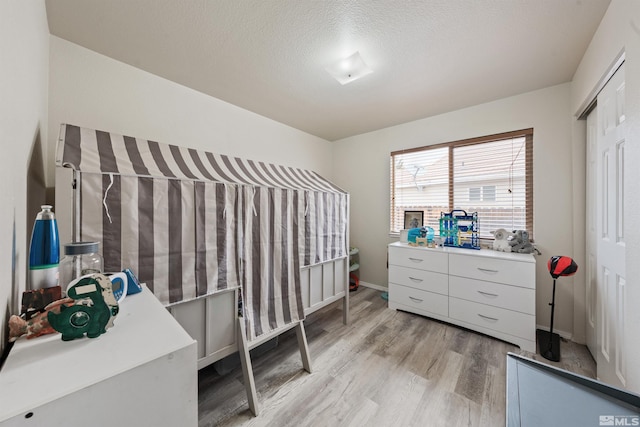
x=81, y=258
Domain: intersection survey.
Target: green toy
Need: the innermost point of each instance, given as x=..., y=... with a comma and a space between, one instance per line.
x=92, y=312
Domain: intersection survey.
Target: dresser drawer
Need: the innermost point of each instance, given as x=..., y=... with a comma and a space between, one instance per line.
x=510, y=272
x=425, y=259
x=421, y=301
x=494, y=318
x=419, y=279
x=495, y=294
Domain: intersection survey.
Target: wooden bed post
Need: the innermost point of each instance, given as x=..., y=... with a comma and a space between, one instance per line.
x=302, y=345
x=247, y=368
x=244, y=346
x=345, y=301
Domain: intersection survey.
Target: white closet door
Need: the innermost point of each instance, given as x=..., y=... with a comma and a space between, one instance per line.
x=591, y=237
x=610, y=251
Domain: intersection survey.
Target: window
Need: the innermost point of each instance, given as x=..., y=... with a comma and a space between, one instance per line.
x=486, y=192
x=474, y=194
x=489, y=193
x=491, y=175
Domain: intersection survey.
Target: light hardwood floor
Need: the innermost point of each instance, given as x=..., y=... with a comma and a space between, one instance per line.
x=386, y=368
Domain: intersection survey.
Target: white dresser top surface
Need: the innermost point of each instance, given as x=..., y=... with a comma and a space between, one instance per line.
x=489, y=253
x=46, y=368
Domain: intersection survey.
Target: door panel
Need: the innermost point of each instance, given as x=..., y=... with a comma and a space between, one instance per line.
x=610, y=237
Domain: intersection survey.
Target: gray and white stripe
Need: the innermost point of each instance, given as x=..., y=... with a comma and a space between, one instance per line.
x=191, y=223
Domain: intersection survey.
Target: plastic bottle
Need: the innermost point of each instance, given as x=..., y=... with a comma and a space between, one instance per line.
x=44, y=250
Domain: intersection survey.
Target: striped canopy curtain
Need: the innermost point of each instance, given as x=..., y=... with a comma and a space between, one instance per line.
x=191, y=223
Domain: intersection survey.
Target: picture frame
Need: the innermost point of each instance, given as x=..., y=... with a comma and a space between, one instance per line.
x=413, y=219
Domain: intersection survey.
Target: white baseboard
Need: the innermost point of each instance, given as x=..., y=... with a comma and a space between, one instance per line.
x=564, y=334
x=374, y=286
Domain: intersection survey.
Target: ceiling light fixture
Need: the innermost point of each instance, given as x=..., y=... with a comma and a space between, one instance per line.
x=349, y=69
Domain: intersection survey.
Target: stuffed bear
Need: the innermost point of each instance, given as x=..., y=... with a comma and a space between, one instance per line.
x=516, y=241
x=501, y=242
x=520, y=243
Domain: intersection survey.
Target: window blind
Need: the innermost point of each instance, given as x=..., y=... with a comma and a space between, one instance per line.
x=491, y=175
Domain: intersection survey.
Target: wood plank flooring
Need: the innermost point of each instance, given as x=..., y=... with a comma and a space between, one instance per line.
x=387, y=368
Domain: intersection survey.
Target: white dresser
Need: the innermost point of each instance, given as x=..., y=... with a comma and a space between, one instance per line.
x=141, y=372
x=484, y=290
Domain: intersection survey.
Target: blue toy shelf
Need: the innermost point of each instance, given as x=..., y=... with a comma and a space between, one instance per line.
x=459, y=230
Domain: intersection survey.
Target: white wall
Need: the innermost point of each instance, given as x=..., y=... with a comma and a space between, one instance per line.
x=618, y=31
x=95, y=91
x=361, y=166
x=24, y=45
x=92, y=90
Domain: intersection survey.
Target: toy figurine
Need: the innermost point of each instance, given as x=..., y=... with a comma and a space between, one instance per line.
x=90, y=308
x=38, y=324
x=92, y=312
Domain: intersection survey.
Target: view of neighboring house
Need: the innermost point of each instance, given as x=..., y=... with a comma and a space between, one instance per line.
x=489, y=179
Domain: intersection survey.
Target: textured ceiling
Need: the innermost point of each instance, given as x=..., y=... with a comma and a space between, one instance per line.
x=269, y=57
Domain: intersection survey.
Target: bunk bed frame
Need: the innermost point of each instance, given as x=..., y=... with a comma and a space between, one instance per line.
x=192, y=224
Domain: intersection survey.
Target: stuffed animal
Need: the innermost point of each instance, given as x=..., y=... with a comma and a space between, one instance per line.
x=515, y=240
x=501, y=242
x=38, y=324
x=92, y=312
x=520, y=243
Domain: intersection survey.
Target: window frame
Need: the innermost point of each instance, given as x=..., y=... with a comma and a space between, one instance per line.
x=526, y=133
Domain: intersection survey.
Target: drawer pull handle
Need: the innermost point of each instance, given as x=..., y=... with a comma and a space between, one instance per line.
x=415, y=279
x=487, y=294
x=493, y=319
x=415, y=299
x=486, y=270
x=415, y=259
